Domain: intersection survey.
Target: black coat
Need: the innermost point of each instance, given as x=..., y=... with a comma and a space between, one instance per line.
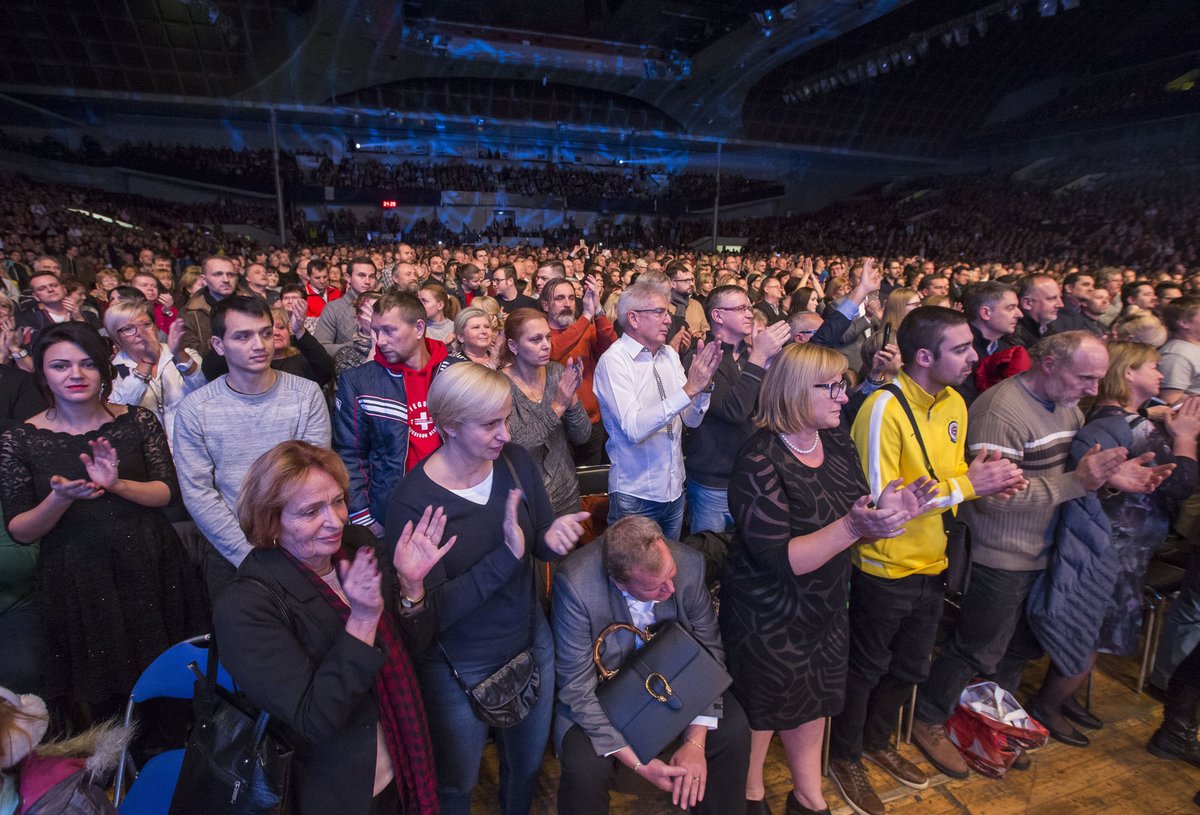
x=317, y=679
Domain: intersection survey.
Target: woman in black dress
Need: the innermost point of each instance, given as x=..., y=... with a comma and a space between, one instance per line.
x=90, y=480
x=794, y=496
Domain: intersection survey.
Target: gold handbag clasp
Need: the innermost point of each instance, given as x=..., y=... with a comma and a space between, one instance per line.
x=666, y=694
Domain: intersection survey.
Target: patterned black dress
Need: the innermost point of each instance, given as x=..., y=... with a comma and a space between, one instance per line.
x=786, y=635
x=113, y=589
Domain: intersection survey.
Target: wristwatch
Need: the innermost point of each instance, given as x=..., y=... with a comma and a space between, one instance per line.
x=407, y=602
x=20, y=353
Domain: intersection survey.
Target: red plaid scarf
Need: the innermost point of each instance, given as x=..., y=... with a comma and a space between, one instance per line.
x=401, y=711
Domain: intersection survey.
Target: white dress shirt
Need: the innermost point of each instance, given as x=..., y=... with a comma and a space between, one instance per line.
x=165, y=390
x=645, y=426
x=642, y=612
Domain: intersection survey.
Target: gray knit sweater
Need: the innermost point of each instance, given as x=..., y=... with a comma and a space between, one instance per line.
x=219, y=433
x=536, y=427
x=1013, y=534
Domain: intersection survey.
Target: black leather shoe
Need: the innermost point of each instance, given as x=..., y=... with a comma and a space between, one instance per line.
x=1070, y=736
x=1082, y=717
x=757, y=807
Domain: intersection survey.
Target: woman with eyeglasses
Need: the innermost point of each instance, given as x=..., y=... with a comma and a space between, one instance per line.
x=795, y=498
x=149, y=373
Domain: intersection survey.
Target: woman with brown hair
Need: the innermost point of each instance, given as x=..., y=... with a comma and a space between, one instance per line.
x=794, y=498
x=546, y=417
x=90, y=479
x=440, y=311
x=335, y=668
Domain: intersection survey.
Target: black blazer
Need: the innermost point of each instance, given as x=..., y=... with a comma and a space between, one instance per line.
x=317, y=680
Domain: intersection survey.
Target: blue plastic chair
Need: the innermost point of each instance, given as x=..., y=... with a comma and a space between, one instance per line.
x=169, y=676
x=155, y=785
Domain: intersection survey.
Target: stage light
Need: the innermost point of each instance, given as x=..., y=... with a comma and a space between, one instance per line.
x=1047, y=8
x=947, y=38
x=872, y=68
x=909, y=57
x=1014, y=12
x=981, y=23
x=961, y=36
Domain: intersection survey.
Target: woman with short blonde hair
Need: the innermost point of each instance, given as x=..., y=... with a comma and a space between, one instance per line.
x=476, y=336
x=800, y=502
x=482, y=597
x=150, y=373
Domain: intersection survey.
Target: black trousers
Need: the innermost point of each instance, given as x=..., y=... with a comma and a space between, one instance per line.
x=586, y=777
x=591, y=452
x=893, y=625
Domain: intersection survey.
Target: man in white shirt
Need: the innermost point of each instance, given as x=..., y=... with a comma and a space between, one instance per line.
x=645, y=400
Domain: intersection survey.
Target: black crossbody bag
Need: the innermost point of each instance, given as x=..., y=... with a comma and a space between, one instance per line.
x=958, y=536
x=507, y=696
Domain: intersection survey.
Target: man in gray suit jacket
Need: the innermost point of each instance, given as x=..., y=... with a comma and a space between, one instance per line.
x=633, y=576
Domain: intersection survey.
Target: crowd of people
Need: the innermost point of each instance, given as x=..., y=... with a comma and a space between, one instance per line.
x=388, y=439
x=254, y=169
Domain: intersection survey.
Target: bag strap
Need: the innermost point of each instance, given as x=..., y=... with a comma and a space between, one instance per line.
x=894, y=390
x=206, y=700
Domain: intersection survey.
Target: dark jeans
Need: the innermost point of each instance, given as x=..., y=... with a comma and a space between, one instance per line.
x=591, y=452
x=668, y=514
x=992, y=640
x=1181, y=625
x=218, y=572
x=893, y=624
x=586, y=777
x=458, y=736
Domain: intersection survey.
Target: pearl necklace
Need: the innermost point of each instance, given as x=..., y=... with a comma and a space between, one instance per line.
x=797, y=450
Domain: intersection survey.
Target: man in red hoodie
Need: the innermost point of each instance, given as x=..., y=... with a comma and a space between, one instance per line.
x=381, y=422
x=582, y=340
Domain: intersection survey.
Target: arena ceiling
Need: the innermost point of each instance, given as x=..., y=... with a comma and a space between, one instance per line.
x=784, y=74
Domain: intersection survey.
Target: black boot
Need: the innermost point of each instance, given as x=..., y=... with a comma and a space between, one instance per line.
x=794, y=807
x=1177, y=736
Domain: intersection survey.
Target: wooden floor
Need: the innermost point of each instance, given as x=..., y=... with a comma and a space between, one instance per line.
x=1115, y=776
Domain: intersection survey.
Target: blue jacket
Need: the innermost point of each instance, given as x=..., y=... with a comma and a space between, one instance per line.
x=370, y=433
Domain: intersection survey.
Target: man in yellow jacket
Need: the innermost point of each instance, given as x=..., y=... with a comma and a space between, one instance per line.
x=898, y=583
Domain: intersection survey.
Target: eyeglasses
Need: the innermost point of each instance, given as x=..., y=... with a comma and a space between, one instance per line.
x=742, y=309
x=132, y=329
x=657, y=312
x=835, y=389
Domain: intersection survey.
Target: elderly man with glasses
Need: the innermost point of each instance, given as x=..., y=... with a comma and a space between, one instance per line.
x=645, y=400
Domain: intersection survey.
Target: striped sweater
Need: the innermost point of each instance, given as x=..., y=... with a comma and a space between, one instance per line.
x=1015, y=534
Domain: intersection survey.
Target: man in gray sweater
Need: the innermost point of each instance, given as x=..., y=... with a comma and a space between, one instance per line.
x=337, y=326
x=1031, y=419
x=223, y=427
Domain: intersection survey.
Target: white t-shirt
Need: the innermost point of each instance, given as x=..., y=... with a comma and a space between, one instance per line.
x=1180, y=366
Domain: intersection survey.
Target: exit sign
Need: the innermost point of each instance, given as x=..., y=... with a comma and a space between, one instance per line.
x=389, y=204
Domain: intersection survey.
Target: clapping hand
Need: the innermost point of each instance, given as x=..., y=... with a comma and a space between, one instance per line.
x=1184, y=422
x=568, y=385
x=76, y=490
x=102, y=464
x=419, y=547
x=296, y=311
x=896, y=506
x=1139, y=475
x=360, y=581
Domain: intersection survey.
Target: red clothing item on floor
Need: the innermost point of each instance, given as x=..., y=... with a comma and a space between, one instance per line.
x=422, y=436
